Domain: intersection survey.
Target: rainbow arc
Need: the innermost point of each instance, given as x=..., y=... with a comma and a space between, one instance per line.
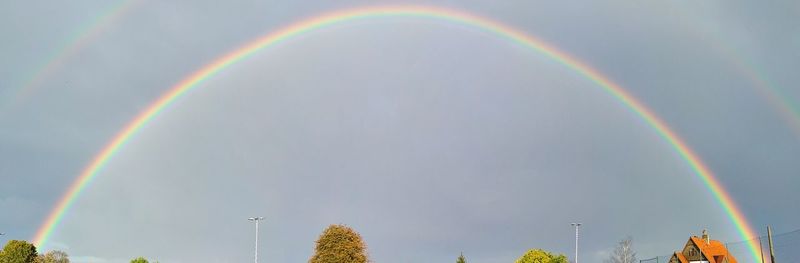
x=495, y=28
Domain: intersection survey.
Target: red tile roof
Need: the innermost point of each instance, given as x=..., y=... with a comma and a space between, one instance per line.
x=680, y=257
x=712, y=250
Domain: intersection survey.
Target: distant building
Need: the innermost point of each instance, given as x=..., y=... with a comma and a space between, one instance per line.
x=702, y=250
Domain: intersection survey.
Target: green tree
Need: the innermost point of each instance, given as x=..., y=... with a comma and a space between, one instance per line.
x=53, y=256
x=340, y=244
x=461, y=259
x=18, y=251
x=139, y=260
x=541, y=256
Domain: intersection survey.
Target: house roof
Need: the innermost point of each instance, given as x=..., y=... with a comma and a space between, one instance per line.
x=680, y=257
x=712, y=249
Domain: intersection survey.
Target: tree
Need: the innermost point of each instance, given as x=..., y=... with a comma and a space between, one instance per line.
x=18, y=251
x=461, y=259
x=541, y=256
x=139, y=260
x=53, y=256
x=340, y=244
x=623, y=253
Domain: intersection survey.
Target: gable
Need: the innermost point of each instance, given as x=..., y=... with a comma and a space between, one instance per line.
x=692, y=252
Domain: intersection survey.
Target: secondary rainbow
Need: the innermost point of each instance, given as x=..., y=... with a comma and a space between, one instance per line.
x=327, y=19
x=776, y=97
x=75, y=43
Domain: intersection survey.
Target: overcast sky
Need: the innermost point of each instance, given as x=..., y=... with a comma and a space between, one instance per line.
x=429, y=138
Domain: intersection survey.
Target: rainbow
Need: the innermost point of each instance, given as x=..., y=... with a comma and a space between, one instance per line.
x=496, y=28
x=75, y=43
x=775, y=97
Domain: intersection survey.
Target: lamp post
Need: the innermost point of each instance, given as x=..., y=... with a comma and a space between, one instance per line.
x=256, y=219
x=577, y=226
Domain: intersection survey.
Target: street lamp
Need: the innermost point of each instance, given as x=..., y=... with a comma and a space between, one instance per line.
x=256, y=219
x=576, y=225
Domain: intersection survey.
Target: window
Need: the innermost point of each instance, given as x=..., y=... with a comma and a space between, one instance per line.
x=691, y=251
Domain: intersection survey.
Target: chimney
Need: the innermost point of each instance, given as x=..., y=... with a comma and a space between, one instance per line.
x=705, y=237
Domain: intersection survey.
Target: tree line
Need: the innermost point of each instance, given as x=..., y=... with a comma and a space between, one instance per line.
x=336, y=244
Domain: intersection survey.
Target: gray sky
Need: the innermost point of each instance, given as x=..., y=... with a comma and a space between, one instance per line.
x=429, y=138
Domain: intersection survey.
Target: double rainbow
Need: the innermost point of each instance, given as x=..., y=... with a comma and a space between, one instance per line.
x=494, y=27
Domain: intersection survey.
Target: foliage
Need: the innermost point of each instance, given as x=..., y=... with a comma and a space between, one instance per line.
x=623, y=253
x=54, y=256
x=18, y=251
x=139, y=260
x=340, y=244
x=541, y=256
x=461, y=259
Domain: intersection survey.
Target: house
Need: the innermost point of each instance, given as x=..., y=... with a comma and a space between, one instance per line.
x=702, y=249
